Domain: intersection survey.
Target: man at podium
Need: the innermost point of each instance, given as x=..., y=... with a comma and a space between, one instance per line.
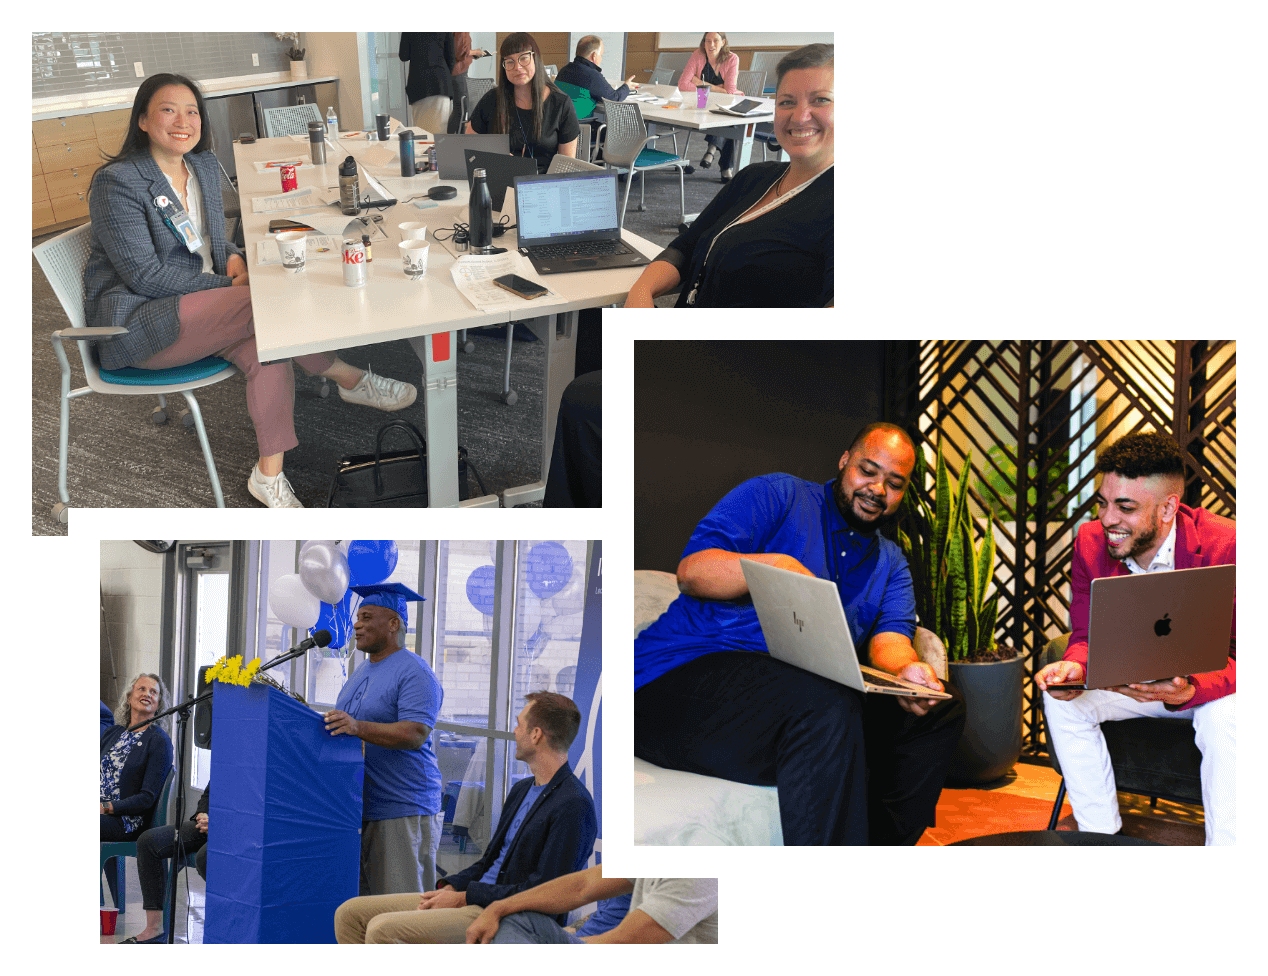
x=391, y=703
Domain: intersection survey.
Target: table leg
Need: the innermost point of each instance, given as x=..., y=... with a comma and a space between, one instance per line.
x=559, y=333
x=440, y=403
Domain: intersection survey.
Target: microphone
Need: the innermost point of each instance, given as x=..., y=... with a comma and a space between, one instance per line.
x=320, y=639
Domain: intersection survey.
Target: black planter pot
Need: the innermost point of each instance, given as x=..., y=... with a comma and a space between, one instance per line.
x=991, y=741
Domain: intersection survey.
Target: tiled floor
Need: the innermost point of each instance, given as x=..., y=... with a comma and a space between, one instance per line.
x=191, y=896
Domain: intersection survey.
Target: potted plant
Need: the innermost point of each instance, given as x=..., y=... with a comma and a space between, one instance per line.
x=299, y=70
x=955, y=599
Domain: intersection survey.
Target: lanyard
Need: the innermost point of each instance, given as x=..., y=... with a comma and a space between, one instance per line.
x=179, y=222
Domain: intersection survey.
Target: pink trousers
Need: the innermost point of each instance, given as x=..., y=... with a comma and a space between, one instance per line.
x=218, y=322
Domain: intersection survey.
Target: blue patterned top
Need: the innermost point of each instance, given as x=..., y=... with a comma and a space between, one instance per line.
x=112, y=766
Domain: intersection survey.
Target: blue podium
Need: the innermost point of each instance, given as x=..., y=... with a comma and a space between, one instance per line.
x=284, y=847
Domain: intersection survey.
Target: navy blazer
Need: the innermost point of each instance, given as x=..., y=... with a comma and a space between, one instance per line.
x=138, y=269
x=145, y=769
x=556, y=838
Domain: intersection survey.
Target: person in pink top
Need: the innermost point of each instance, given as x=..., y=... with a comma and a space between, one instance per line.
x=713, y=65
x=1143, y=528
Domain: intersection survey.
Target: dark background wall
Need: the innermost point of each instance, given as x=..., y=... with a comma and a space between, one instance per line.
x=709, y=415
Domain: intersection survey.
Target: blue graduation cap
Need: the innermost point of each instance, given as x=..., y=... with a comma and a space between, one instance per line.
x=394, y=596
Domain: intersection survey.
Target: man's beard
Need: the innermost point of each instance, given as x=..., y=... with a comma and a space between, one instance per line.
x=851, y=517
x=1136, y=545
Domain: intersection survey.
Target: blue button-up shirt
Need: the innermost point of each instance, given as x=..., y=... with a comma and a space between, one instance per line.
x=780, y=513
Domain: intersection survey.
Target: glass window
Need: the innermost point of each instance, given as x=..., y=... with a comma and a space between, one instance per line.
x=211, y=630
x=464, y=630
x=463, y=763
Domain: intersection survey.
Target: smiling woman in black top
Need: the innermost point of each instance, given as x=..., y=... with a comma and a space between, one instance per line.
x=767, y=239
x=537, y=116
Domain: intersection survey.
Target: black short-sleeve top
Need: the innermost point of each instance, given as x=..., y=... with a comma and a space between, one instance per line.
x=782, y=258
x=559, y=125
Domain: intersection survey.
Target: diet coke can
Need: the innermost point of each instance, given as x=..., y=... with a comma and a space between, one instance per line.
x=289, y=180
x=353, y=263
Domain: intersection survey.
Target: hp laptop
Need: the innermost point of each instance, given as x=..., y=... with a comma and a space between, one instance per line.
x=449, y=150
x=500, y=170
x=1154, y=626
x=568, y=222
x=804, y=625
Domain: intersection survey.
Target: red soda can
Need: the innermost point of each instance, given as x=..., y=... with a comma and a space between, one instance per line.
x=353, y=263
x=289, y=180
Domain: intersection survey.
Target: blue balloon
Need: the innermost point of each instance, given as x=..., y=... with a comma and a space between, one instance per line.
x=480, y=589
x=336, y=618
x=549, y=569
x=371, y=560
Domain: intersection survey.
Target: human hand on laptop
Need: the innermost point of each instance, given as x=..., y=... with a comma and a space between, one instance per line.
x=1056, y=673
x=921, y=674
x=1173, y=691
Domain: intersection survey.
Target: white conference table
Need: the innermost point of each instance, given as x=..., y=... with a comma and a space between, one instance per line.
x=313, y=311
x=690, y=118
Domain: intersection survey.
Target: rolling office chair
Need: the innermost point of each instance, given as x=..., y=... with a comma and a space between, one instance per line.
x=625, y=150
x=125, y=849
x=661, y=76
x=63, y=260
x=1153, y=757
x=291, y=120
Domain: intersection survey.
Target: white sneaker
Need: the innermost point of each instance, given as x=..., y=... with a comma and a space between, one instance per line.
x=272, y=492
x=380, y=392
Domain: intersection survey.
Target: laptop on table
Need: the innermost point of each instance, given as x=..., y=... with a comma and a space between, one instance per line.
x=450, y=148
x=500, y=170
x=568, y=222
x=804, y=625
x=1154, y=626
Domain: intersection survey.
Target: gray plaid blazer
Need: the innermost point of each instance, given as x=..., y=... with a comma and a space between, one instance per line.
x=138, y=269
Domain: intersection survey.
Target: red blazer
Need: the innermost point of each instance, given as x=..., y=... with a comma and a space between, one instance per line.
x=1202, y=539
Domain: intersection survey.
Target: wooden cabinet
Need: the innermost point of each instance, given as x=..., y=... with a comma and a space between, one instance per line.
x=66, y=152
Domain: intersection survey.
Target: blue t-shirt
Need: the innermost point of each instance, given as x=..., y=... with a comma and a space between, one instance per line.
x=534, y=791
x=400, y=688
x=780, y=513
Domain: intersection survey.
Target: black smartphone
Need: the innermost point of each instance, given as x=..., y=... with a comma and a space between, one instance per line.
x=520, y=286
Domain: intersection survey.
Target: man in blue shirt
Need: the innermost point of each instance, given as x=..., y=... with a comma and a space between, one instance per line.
x=547, y=829
x=391, y=703
x=704, y=702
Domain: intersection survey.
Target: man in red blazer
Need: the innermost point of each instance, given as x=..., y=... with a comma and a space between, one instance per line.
x=1143, y=528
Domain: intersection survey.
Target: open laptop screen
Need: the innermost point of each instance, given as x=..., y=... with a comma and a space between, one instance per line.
x=562, y=207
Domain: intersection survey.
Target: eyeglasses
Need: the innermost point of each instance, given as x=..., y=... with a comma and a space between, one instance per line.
x=523, y=60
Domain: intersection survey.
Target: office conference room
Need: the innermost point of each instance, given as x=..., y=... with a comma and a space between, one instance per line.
x=488, y=379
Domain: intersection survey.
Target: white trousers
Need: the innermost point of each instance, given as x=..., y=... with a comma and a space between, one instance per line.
x=1075, y=729
x=432, y=113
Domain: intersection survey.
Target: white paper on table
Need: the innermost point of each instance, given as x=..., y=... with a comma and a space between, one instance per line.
x=380, y=155
x=294, y=200
x=473, y=275
x=317, y=247
x=269, y=165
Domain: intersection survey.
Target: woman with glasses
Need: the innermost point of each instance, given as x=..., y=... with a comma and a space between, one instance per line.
x=538, y=117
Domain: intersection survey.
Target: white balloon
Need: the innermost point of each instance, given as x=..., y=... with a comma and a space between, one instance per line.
x=571, y=599
x=324, y=571
x=316, y=542
x=291, y=602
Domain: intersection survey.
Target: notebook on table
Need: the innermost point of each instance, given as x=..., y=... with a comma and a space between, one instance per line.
x=804, y=625
x=568, y=222
x=1154, y=626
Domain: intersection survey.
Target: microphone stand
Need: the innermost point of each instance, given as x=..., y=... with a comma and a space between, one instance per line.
x=182, y=711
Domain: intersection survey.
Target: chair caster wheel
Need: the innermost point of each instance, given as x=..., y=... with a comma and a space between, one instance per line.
x=61, y=511
x=510, y=397
x=682, y=228
x=158, y=416
x=468, y=347
x=325, y=389
x=187, y=418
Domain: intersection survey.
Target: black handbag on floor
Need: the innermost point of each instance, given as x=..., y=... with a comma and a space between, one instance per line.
x=392, y=479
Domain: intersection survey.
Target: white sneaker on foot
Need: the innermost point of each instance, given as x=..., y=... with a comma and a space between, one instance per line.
x=380, y=392
x=272, y=492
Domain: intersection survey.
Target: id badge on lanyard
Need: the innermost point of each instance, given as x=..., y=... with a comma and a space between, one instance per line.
x=180, y=223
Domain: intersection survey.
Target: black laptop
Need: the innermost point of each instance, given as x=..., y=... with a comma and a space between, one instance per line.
x=449, y=150
x=500, y=169
x=568, y=222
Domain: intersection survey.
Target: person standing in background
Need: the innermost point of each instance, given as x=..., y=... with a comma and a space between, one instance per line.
x=430, y=84
x=464, y=57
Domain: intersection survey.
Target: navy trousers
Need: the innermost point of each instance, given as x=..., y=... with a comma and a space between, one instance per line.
x=851, y=768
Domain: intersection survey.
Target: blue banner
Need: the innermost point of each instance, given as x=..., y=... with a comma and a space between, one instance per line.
x=284, y=844
x=586, y=754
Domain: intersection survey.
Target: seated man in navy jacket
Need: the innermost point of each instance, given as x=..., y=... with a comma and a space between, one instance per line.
x=583, y=71
x=547, y=829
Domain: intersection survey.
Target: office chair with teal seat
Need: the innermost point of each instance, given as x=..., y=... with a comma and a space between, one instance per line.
x=127, y=848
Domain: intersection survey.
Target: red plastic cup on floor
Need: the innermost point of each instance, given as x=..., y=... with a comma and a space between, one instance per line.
x=109, y=916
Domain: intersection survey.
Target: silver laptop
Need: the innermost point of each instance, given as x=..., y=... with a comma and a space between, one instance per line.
x=804, y=625
x=1155, y=626
x=569, y=222
x=449, y=151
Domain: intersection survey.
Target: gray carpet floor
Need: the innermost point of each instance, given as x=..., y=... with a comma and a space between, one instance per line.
x=118, y=458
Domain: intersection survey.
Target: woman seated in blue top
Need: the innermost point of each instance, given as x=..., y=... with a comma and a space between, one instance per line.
x=161, y=268
x=766, y=239
x=134, y=764
x=538, y=117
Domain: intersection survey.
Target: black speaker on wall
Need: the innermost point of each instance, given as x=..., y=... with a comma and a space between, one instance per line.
x=202, y=711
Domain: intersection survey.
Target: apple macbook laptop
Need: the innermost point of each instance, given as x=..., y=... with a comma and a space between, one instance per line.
x=568, y=222
x=450, y=148
x=1154, y=626
x=804, y=625
x=500, y=169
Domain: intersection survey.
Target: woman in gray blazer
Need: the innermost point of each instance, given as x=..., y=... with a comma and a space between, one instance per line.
x=161, y=267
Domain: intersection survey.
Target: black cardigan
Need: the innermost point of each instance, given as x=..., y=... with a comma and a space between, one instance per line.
x=431, y=59
x=781, y=259
x=145, y=769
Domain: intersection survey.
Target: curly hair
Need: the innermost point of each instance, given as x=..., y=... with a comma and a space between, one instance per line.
x=1142, y=455
x=123, y=711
